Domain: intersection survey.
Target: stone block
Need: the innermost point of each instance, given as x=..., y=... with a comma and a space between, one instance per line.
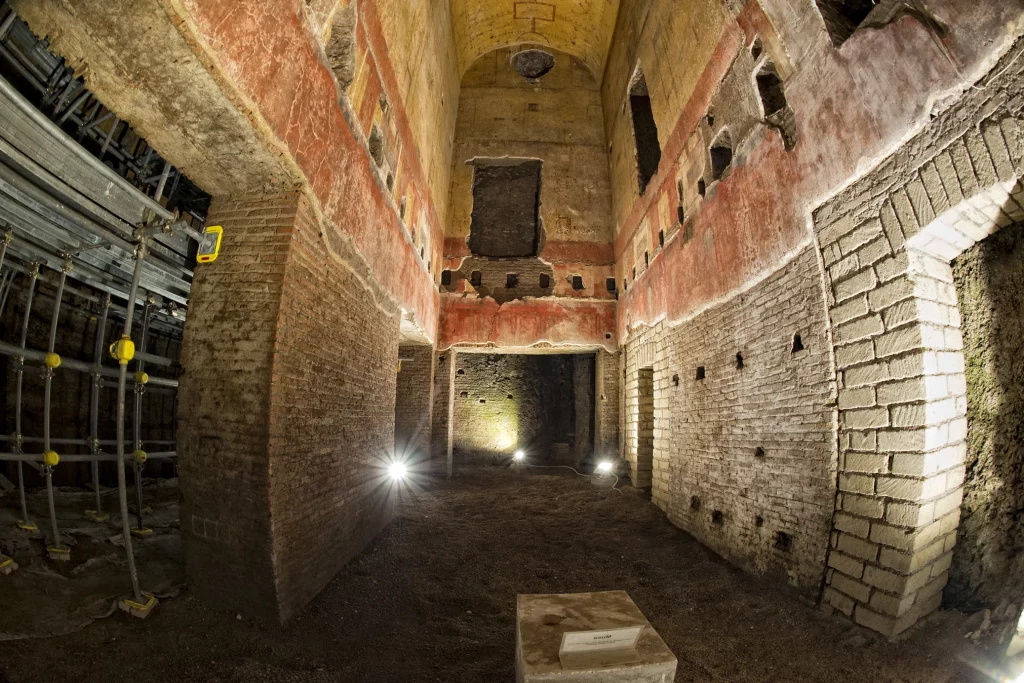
x=841, y=602
x=855, y=589
x=854, y=285
x=871, y=463
x=863, y=506
x=543, y=619
x=851, y=545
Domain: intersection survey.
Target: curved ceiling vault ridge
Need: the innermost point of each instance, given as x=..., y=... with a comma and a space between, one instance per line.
x=582, y=28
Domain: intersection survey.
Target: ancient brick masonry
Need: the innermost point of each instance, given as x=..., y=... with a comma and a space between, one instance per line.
x=886, y=244
x=606, y=404
x=223, y=437
x=414, y=399
x=305, y=356
x=744, y=458
x=441, y=431
x=508, y=402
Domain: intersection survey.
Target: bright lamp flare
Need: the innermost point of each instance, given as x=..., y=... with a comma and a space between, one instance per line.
x=605, y=466
x=397, y=470
x=519, y=455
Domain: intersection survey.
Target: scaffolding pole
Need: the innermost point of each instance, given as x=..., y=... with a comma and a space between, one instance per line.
x=140, y=387
x=94, y=410
x=122, y=380
x=24, y=523
x=57, y=550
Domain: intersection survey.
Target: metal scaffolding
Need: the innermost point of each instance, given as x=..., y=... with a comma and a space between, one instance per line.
x=67, y=215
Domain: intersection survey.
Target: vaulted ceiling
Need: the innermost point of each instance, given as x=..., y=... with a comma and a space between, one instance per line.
x=582, y=28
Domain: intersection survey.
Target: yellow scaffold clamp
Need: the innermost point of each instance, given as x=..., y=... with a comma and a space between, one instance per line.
x=141, y=377
x=51, y=459
x=140, y=457
x=53, y=361
x=123, y=350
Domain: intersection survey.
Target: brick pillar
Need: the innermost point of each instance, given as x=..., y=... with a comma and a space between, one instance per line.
x=606, y=401
x=282, y=437
x=414, y=402
x=444, y=410
x=902, y=388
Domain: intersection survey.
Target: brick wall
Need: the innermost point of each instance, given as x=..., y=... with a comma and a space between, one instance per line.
x=225, y=406
x=708, y=473
x=284, y=437
x=414, y=398
x=606, y=402
x=505, y=402
x=332, y=417
x=646, y=349
x=442, y=429
x=886, y=243
x=583, y=395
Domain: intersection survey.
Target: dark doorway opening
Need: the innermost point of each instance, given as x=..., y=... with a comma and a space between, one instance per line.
x=645, y=429
x=541, y=404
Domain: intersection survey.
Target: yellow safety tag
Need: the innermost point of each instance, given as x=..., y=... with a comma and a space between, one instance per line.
x=209, y=248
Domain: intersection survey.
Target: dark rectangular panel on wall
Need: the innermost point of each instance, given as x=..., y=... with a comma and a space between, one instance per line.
x=506, y=198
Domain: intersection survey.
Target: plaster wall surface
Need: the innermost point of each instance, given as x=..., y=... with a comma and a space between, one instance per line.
x=421, y=47
x=558, y=120
x=261, y=92
x=758, y=215
x=583, y=27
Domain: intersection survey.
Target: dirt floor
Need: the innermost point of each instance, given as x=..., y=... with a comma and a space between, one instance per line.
x=433, y=600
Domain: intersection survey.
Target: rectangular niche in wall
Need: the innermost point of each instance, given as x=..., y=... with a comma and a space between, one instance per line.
x=645, y=131
x=506, y=206
x=842, y=17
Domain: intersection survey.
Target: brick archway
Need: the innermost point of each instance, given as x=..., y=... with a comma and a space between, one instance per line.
x=886, y=246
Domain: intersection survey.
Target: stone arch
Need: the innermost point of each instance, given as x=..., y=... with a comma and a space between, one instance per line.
x=886, y=245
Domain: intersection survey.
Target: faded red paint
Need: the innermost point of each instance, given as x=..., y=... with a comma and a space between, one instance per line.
x=557, y=322
x=270, y=54
x=879, y=87
x=367, y=11
x=560, y=251
x=728, y=45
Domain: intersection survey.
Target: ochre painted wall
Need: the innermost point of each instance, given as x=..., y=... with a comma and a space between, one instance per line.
x=881, y=86
x=582, y=27
x=559, y=121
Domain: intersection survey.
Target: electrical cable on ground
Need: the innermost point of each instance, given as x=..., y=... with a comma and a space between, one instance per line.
x=566, y=467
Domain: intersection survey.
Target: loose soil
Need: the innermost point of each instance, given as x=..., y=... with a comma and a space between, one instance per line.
x=432, y=599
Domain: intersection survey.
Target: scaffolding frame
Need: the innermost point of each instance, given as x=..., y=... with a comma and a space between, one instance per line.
x=65, y=213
